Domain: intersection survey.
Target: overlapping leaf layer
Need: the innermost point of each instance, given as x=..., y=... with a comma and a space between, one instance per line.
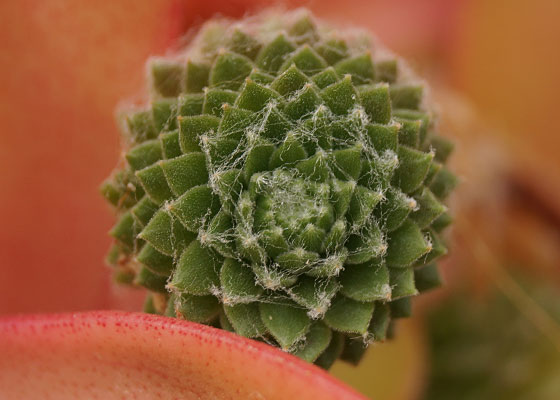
x=283, y=184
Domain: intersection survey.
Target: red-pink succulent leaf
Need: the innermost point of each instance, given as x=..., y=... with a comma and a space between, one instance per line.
x=112, y=355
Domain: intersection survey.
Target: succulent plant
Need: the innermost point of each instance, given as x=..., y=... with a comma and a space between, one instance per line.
x=284, y=183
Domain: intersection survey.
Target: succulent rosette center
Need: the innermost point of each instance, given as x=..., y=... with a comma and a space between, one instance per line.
x=283, y=184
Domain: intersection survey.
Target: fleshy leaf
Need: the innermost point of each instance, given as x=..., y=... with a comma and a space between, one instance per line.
x=333, y=50
x=354, y=350
x=298, y=259
x=144, y=155
x=141, y=126
x=350, y=316
x=255, y=97
x=346, y=164
x=444, y=182
x=170, y=144
x=197, y=271
x=380, y=321
x=197, y=308
x=290, y=81
x=164, y=114
x=238, y=283
x=229, y=70
x=386, y=71
x=143, y=211
x=125, y=230
x=150, y=280
x=406, y=245
x=196, y=77
x=406, y=96
x=429, y=208
x=153, y=181
x=192, y=128
x=190, y=104
x=288, y=153
x=155, y=261
x=272, y=56
x=166, y=234
x=361, y=206
x=427, y=277
x=340, y=97
x=401, y=308
x=244, y=44
x=332, y=352
x=286, y=323
x=185, y=172
x=195, y=206
x=366, y=282
x=383, y=137
x=245, y=319
x=306, y=60
x=402, y=282
x=216, y=99
x=325, y=78
x=167, y=77
x=314, y=294
x=376, y=102
x=413, y=168
x=360, y=67
x=317, y=340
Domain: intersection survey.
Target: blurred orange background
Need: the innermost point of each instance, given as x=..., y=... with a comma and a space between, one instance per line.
x=65, y=65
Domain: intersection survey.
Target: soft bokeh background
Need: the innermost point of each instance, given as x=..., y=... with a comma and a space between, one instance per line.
x=494, y=66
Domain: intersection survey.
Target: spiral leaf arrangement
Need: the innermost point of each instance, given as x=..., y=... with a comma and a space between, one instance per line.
x=282, y=184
